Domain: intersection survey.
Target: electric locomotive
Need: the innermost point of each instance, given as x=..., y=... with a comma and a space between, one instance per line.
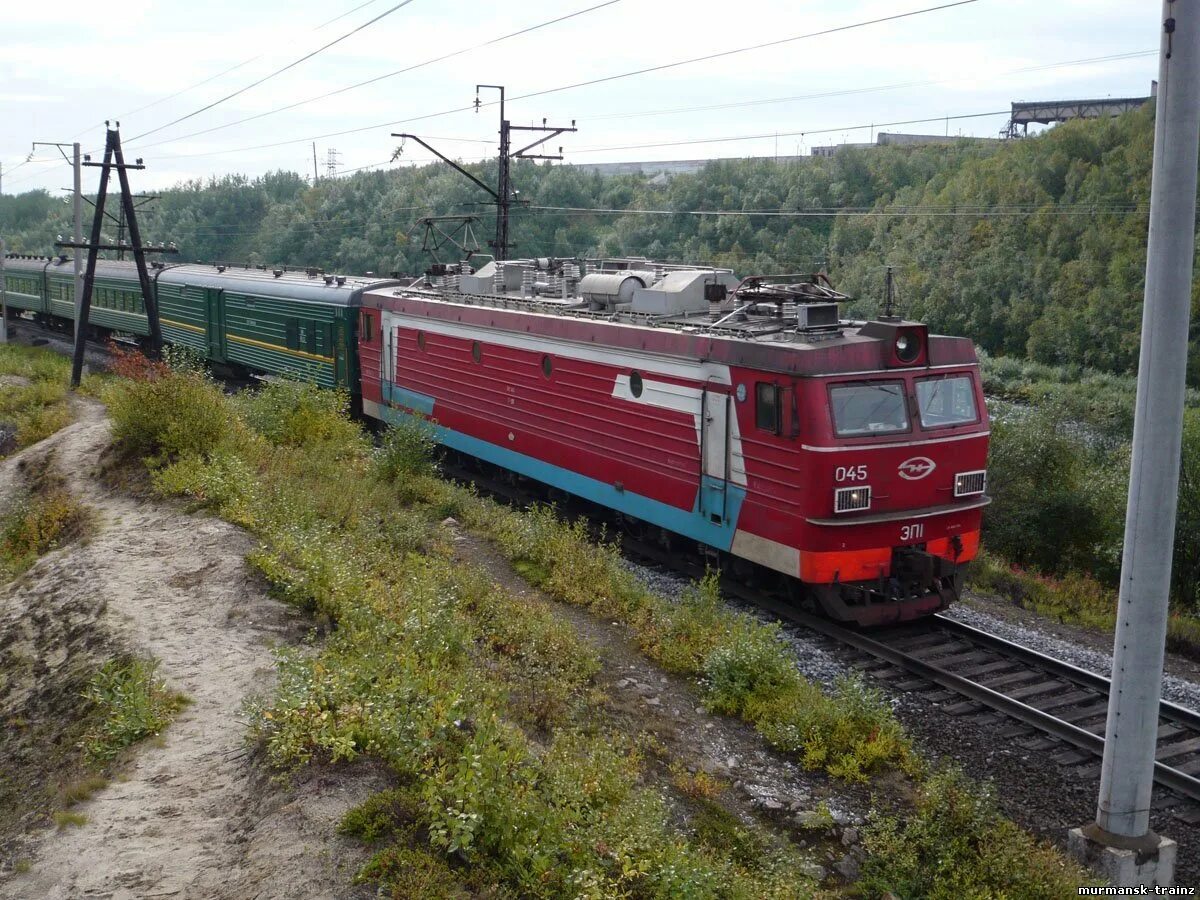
x=743, y=416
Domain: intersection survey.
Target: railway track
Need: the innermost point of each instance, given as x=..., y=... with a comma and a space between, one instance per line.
x=1053, y=707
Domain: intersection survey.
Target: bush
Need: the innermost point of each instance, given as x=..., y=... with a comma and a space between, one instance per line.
x=292, y=414
x=132, y=703
x=1185, y=573
x=1042, y=478
x=747, y=666
x=407, y=451
x=131, y=363
x=169, y=417
x=36, y=525
x=956, y=844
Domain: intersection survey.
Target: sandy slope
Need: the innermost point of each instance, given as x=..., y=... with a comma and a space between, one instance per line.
x=196, y=817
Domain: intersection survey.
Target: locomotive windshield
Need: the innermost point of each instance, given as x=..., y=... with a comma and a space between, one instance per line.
x=869, y=408
x=947, y=401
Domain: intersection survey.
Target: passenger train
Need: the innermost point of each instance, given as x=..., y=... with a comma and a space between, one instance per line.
x=742, y=418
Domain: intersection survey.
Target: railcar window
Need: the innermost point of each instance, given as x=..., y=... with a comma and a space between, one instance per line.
x=868, y=408
x=947, y=401
x=766, y=412
x=366, y=328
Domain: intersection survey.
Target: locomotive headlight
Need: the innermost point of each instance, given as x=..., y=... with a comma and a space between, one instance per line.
x=908, y=347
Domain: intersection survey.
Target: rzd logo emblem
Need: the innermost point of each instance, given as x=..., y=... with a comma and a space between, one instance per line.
x=916, y=468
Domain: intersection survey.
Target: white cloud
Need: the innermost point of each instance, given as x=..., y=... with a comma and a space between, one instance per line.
x=61, y=79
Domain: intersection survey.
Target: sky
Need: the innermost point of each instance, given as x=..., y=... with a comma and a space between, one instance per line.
x=62, y=75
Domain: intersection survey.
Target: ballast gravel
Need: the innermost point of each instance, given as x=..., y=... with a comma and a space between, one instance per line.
x=1043, y=797
x=1177, y=690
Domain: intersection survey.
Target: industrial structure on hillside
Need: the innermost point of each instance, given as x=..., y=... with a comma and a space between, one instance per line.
x=1024, y=114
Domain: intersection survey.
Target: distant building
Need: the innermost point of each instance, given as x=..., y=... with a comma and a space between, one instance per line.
x=889, y=138
x=1049, y=112
x=668, y=167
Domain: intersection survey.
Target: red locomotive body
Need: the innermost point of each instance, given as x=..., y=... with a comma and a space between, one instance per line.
x=741, y=415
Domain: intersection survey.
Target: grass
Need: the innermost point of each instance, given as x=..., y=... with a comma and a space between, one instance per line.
x=509, y=778
x=480, y=703
x=36, y=410
x=131, y=703
x=1073, y=598
x=37, y=523
x=82, y=790
x=64, y=819
x=955, y=844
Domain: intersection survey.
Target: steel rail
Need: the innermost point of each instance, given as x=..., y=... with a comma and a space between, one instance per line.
x=1084, y=678
x=1180, y=782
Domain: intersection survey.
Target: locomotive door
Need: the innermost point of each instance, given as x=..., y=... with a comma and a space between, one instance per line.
x=715, y=412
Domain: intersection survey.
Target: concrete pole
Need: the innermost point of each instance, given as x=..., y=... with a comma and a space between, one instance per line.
x=78, y=236
x=1121, y=839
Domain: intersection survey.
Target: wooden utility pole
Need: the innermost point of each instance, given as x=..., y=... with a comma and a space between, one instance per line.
x=114, y=158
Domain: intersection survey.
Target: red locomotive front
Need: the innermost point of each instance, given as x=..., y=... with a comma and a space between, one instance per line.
x=742, y=415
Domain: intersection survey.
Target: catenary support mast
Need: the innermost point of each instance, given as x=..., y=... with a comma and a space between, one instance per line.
x=1120, y=841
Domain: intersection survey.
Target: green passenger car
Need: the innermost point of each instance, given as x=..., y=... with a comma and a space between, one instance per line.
x=292, y=324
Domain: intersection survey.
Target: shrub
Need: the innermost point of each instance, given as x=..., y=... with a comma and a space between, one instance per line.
x=751, y=664
x=292, y=414
x=407, y=451
x=36, y=525
x=131, y=363
x=170, y=417
x=181, y=358
x=225, y=483
x=131, y=703
x=1041, y=477
x=957, y=844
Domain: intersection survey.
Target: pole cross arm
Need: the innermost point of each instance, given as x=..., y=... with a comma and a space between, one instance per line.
x=444, y=158
x=551, y=133
x=121, y=166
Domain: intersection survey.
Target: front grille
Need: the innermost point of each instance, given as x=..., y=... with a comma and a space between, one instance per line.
x=852, y=499
x=967, y=484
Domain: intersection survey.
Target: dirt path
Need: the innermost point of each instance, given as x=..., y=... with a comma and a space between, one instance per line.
x=195, y=817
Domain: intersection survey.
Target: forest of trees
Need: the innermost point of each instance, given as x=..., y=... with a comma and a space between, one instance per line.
x=1034, y=248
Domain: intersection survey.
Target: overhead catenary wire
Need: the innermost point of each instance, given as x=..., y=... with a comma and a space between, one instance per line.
x=378, y=78
x=845, y=92
x=607, y=78
x=277, y=72
x=769, y=134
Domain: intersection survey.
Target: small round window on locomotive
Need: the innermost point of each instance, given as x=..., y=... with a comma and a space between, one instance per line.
x=421, y=339
x=635, y=383
x=547, y=365
x=476, y=351
x=908, y=347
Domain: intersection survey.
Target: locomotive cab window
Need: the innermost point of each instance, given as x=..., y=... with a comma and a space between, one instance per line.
x=867, y=408
x=948, y=401
x=766, y=408
x=366, y=328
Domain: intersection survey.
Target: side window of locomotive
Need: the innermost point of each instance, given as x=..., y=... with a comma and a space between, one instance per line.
x=366, y=328
x=866, y=408
x=766, y=407
x=947, y=401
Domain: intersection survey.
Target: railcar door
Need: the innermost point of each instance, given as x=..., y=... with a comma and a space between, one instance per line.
x=214, y=307
x=715, y=412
